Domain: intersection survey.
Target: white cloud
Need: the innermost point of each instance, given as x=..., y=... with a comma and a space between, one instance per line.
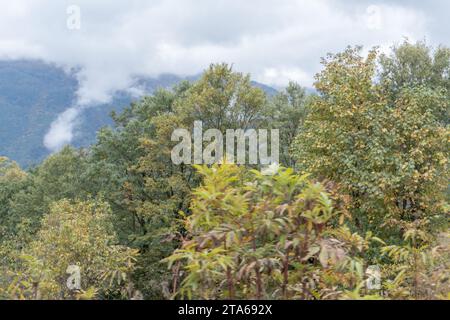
x=280, y=77
x=61, y=130
x=276, y=41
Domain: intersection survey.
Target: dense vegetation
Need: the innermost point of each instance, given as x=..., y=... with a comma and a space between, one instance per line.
x=363, y=181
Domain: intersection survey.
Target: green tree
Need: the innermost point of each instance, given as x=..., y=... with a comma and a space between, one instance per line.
x=12, y=234
x=12, y=180
x=130, y=167
x=390, y=155
x=60, y=176
x=413, y=65
x=271, y=235
x=287, y=112
x=416, y=65
x=79, y=234
x=222, y=99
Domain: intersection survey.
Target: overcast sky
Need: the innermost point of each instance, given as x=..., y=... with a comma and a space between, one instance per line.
x=276, y=41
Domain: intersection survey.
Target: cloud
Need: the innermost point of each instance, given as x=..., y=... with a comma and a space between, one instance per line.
x=61, y=130
x=275, y=41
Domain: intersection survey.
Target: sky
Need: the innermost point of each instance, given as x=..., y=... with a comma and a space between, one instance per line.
x=277, y=41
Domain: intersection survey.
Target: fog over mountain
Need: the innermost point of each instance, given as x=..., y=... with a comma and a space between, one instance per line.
x=35, y=97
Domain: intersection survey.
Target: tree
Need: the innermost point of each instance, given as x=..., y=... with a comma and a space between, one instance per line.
x=28, y=196
x=264, y=236
x=416, y=65
x=222, y=99
x=12, y=180
x=12, y=234
x=389, y=155
x=73, y=234
x=59, y=176
x=413, y=65
x=130, y=167
x=287, y=112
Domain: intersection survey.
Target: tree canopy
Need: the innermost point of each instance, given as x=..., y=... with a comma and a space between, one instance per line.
x=362, y=182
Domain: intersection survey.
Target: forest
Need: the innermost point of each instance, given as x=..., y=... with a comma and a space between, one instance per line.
x=362, y=185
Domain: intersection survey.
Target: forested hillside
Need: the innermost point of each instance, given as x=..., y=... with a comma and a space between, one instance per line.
x=362, y=183
x=32, y=94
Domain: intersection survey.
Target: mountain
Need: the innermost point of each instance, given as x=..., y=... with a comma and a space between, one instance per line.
x=33, y=94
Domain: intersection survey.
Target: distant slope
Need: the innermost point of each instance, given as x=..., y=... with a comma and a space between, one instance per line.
x=33, y=94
